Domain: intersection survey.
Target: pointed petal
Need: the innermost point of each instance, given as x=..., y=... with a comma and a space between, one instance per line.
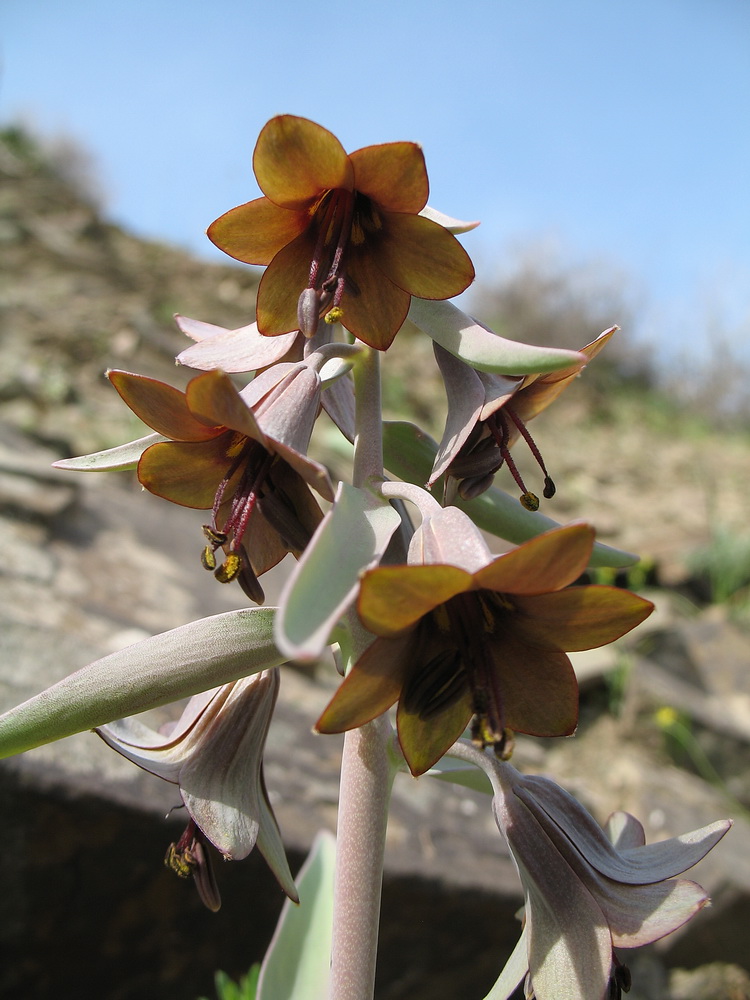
x=465, y=395
x=370, y=688
x=271, y=846
x=196, y=329
x=256, y=231
x=515, y=969
x=159, y=670
x=581, y=617
x=243, y=350
x=422, y=258
x=220, y=781
x=393, y=175
x=283, y=281
x=118, y=459
x=643, y=915
x=296, y=160
x=376, y=310
x=213, y=398
x=548, y=562
x=536, y=684
x=393, y=598
x=479, y=347
x=161, y=406
x=186, y=473
x=424, y=741
x=455, y=226
x=545, y=390
x=636, y=866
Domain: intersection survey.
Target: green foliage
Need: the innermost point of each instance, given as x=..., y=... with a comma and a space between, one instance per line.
x=228, y=989
x=724, y=564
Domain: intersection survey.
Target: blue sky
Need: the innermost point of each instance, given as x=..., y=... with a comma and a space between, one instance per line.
x=616, y=131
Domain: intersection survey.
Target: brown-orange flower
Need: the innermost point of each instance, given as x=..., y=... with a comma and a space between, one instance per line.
x=341, y=234
x=239, y=454
x=472, y=635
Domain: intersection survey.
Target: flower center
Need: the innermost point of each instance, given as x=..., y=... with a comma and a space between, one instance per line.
x=230, y=515
x=465, y=625
x=486, y=452
x=341, y=219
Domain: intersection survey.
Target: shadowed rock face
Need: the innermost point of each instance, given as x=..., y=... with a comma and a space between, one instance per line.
x=91, y=563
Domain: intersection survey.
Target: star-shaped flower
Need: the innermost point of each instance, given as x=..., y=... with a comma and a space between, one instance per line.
x=341, y=234
x=239, y=454
x=586, y=891
x=463, y=634
x=215, y=754
x=487, y=413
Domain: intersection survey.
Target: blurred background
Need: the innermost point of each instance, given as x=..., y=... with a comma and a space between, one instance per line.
x=605, y=149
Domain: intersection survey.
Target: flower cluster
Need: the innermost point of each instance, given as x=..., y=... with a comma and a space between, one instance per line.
x=418, y=610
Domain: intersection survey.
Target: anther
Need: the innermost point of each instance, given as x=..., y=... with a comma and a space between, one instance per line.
x=529, y=500
x=229, y=569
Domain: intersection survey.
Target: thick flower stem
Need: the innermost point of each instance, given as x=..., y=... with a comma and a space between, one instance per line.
x=368, y=432
x=366, y=779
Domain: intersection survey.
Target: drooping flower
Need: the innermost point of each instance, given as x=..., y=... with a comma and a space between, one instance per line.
x=239, y=454
x=487, y=413
x=215, y=754
x=342, y=235
x=587, y=892
x=463, y=634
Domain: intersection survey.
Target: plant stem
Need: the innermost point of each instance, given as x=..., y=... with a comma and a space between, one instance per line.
x=368, y=424
x=366, y=773
x=366, y=779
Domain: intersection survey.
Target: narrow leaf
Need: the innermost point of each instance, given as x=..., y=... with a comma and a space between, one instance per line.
x=124, y=456
x=156, y=671
x=480, y=347
x=351, y=537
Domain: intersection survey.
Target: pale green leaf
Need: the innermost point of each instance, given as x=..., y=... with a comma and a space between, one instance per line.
x=459, y=772
x=352, y=537
x=297, y=964
x=480, y=347
x=119, y=459
x=156, y=671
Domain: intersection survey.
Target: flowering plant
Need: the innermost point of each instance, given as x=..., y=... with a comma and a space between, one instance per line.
x=470, y=645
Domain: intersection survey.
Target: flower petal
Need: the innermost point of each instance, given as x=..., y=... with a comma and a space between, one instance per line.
x=370, y=688
x=213, y=398
x=283, y=281
x=538, y=395
x=374, y=308
x=551, y=804
x=582, y=617
x=548, y=562
x=161, y=406
x=393, y=175
x=256, y=231
x=422, y=258
x=424, y=741
x=220, y=783
x=449, y=537
x=536, y=685
x=393, y=598
x=243, y=350
x=296, y=160
x=186, y=473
